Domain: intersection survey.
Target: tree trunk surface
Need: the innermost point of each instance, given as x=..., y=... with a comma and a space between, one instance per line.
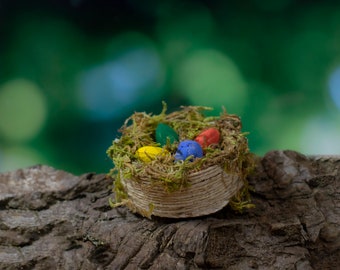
x=51, y=219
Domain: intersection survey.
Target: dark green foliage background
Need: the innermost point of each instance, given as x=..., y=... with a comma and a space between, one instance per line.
x=267, y=61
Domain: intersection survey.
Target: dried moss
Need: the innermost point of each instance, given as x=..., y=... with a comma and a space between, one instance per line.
x=232, y=154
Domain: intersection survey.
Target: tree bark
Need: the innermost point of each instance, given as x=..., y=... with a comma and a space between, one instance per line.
x=50, y=219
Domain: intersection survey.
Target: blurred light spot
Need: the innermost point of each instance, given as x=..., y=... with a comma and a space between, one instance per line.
x=287, y=132
x=19, y=157
x=23, y=110
x=334, y=87
x=209, y=78
x=135, y=75
x=321, y=136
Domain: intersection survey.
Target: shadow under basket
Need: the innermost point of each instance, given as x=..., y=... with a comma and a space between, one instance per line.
x=209, y=191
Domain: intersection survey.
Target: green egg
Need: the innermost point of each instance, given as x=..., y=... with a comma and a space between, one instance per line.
x=165, y=133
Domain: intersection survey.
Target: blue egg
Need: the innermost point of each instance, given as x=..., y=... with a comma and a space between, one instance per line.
x=188, y=148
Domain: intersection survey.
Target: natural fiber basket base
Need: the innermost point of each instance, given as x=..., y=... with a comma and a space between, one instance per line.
x=210, y=190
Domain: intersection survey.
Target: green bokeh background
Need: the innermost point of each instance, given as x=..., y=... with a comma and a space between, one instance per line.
x=72, y=71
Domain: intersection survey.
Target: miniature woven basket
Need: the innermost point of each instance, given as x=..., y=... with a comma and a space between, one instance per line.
x=210, y=190
x=166, y=187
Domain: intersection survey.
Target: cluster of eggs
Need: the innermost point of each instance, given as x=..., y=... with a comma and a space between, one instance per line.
x=188, y=148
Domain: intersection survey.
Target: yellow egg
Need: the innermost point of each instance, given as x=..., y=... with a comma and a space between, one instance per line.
x=149, y=153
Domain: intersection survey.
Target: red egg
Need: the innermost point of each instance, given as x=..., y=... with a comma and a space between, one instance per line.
x=208, y=137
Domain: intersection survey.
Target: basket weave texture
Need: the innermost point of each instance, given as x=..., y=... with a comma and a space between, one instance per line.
x=210, y=190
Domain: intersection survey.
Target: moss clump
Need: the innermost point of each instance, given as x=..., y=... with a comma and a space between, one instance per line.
x=232, y=153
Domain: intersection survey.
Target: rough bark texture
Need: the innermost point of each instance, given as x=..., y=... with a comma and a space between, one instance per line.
x=50, y=219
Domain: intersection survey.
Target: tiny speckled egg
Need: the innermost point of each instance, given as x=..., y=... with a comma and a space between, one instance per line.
x=149, y=153
x=165, y=133
x=188, y=148
x=208, y=137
